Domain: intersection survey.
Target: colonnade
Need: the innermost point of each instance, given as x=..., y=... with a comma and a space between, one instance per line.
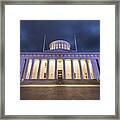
x=59, y=69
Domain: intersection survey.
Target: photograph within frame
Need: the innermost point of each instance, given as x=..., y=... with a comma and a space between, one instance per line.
x=59, y=59
x=80, y=115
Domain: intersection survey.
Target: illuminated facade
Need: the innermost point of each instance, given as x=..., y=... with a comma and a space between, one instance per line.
x=59, y=63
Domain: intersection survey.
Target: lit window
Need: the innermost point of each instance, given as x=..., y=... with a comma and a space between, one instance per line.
x=68, y=69
x=95, y=55
x=76, y=55
x=76, y=68
x=56, y=45
x=51, y=69
x=62, y=46
x=35, y=69
x=53, y=45
x=90, y=69
x=84, y=69
x=43, y=69
x=65, y=46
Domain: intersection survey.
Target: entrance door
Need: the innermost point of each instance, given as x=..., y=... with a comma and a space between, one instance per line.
x=60, y=71
x=60, y=74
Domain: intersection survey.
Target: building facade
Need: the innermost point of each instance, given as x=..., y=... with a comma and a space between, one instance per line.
x=59, y=63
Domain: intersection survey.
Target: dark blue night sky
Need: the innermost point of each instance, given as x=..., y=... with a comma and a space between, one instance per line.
x=32, y=34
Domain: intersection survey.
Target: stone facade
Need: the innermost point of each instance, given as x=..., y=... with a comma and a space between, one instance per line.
x=59, y=63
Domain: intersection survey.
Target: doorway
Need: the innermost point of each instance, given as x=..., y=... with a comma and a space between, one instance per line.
x=60, y=74
x=60, y=69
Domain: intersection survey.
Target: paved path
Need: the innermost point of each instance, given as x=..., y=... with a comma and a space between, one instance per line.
x=60, y=93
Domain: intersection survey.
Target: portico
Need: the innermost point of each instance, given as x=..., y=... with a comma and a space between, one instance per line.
x=59, y=63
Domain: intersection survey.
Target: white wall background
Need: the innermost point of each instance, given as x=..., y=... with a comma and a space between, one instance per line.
x=13, y=104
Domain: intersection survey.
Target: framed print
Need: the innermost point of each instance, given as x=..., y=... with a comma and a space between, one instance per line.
x=60, y=60
x=63, y=60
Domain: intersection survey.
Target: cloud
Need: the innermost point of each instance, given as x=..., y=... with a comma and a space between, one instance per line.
x=87, y=33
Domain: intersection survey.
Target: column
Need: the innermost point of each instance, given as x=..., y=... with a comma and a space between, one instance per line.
x=55, y=68
x=64, y=76
x=68, y=69
x=22, y=64
x=47, y=77
x=95, y=69
x=80, y=70
x=90, y=66
x=29, y=66
x=38, y=76
x=72, y=69
x=88, y=69
x=25, y=69
x=31, y=69
x=98, y=65
x=76, y=69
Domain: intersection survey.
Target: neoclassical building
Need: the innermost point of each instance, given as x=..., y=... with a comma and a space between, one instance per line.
x=59, y=63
